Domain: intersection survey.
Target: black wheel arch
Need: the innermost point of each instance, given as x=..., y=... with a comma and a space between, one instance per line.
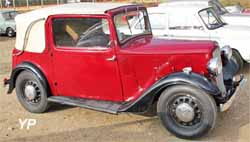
x=27, y=66
x=8, y=28
x=153, y=93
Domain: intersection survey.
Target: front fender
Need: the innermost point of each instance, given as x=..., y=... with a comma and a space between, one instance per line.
x=181, y=78
x=26, y=66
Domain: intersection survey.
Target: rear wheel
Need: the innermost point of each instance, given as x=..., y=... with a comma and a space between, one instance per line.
x=31, y=92
x=187, y=112
x=10, y=32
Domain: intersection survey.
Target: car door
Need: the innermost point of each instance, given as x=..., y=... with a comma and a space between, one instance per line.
x=186, y=26
x=84, y=61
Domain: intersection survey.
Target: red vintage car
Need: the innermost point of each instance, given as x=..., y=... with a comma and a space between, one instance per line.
x=87, y=55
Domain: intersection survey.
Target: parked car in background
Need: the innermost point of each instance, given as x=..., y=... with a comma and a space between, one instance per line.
x=237, y=9
x=247, y=10
x=87, y=60
x=230, y=18
x=199, y=23
x=7, y=22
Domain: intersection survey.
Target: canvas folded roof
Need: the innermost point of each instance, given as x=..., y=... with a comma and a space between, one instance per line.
x=23, y=21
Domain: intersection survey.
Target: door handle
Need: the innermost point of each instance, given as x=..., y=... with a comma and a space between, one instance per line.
x=113, y=58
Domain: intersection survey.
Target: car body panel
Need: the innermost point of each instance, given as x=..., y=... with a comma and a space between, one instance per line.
x=150, y=59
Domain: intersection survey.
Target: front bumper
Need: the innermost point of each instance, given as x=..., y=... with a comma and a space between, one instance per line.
x=229, y=84
x=232, y=96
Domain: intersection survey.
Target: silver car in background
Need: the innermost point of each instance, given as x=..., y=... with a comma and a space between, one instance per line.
x=7, y=23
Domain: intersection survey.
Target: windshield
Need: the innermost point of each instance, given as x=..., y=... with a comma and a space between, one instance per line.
x=210, y=19
x=124, y=23
x=9, y=15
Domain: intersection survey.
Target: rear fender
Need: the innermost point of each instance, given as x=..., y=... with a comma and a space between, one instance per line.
x=28, y=67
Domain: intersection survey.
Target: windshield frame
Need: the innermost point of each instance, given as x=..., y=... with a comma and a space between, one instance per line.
x=218, y=18
x=131, y=26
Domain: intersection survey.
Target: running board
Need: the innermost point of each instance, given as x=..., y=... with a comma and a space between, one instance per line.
x=104, y=106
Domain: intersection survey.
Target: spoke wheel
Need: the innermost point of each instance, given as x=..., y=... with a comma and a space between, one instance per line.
x=10, y=32
x=31, y=92
x=187, y=112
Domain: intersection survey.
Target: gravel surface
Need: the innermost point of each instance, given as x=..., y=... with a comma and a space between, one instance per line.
x=64, y=123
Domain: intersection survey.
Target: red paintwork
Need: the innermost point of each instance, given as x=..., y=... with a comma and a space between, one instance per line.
x=144, y=60
x=140, y=63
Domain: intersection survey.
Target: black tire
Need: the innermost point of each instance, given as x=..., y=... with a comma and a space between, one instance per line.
x=204, y=117
x=40, y=103
x=10, y=32
x=237, y=57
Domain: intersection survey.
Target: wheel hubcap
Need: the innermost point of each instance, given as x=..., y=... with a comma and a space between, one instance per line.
x=10, y=33
x=185, y=112
x=30, y=92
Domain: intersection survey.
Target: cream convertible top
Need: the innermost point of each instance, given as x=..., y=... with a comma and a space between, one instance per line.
x=31, y=26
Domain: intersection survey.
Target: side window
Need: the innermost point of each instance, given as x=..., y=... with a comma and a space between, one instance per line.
x=81, y=32
x=183, y=22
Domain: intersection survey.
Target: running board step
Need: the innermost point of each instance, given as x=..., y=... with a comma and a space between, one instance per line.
x=104, y=106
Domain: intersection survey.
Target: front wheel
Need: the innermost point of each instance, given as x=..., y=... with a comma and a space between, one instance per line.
x=31, y=93
x=187, y=112
x=10, y=32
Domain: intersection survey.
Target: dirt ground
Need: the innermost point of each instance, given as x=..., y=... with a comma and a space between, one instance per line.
x=64, y=123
